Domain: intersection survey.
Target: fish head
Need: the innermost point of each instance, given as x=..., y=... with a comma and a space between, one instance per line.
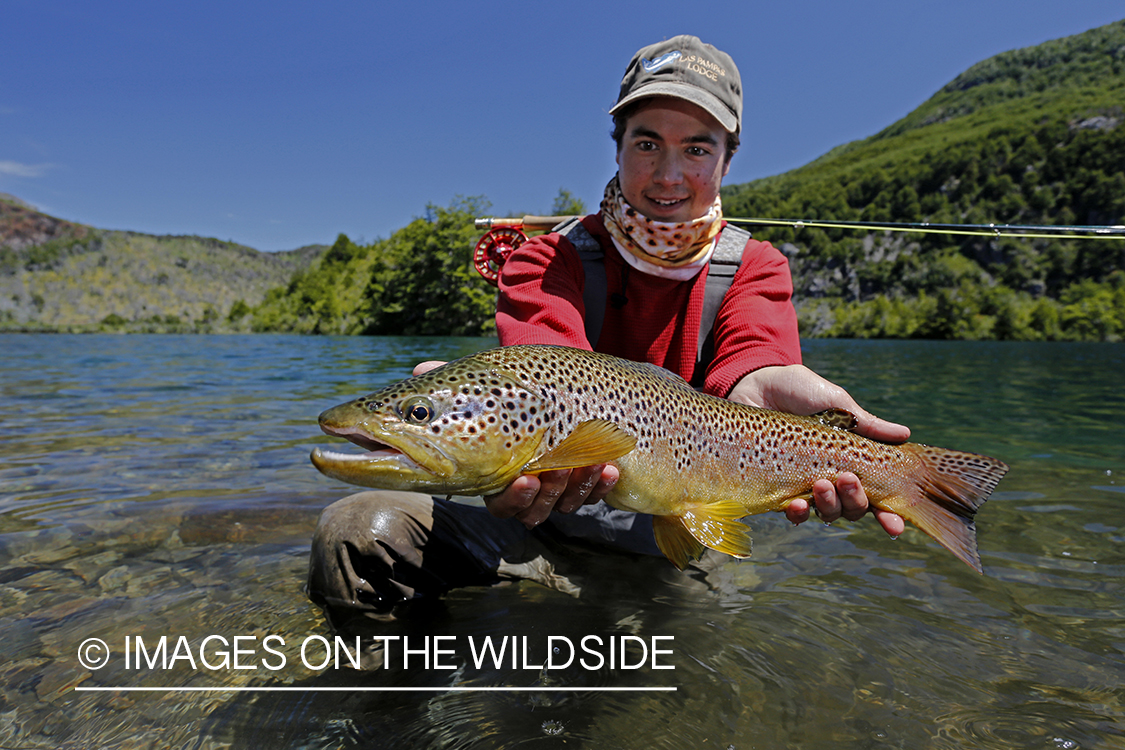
x=465, y=428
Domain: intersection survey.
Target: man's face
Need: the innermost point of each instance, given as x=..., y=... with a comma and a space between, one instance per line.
x=671, y=162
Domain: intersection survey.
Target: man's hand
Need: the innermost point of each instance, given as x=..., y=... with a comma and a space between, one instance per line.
x=798, y=390
x=532, y=498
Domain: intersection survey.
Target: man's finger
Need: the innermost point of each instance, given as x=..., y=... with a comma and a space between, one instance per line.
x=581, y=483
x=852, y=498
x=551, y=486
x=606, y=482
x=797, y=511
x=875, y=428
x=827, y=504
x=514, y=498
x=892, y=523
x=423, y=367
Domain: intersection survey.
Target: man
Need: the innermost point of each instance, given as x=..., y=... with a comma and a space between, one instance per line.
x=677, y=124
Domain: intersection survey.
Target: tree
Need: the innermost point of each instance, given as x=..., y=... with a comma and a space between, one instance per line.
x=423, y=281
x=567, y=204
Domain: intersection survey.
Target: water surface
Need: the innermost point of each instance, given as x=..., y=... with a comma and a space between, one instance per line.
x=159, y=486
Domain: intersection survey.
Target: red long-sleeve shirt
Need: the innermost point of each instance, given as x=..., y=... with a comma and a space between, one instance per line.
x=541, y=303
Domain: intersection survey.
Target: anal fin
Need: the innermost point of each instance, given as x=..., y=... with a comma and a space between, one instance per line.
x=675, y=541
x=719, y=527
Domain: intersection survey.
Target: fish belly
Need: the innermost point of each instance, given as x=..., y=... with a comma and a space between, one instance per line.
x=762, y=475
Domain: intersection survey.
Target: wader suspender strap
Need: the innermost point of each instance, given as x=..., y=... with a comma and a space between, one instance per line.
x=725, y=262
x=593, y=263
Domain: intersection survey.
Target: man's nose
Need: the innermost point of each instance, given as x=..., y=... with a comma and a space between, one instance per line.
x=668, y=171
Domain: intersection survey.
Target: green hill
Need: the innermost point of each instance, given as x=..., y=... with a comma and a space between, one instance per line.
x=1031, y=136
x=56, y=275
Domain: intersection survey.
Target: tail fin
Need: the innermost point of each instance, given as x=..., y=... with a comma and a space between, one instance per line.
x=950, y=488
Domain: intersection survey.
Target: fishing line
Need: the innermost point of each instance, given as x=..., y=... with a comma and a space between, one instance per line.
x=1035, y=231
x=1025, y=231
x=502, y=236
x=368, y=689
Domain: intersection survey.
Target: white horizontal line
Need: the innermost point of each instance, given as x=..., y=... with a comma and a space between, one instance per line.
x=220, y=689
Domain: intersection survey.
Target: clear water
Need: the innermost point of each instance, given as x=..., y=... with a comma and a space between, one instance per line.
x=159, y=486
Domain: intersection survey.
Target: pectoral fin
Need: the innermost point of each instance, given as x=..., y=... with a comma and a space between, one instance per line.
x=718, y=526
x=594, y=442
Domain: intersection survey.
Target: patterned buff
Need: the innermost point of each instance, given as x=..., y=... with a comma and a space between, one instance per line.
x=671, y=250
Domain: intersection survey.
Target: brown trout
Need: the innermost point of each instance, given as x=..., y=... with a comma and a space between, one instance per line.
x=695, y=462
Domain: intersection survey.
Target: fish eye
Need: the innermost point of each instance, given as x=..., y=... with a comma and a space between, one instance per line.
x=418, y=411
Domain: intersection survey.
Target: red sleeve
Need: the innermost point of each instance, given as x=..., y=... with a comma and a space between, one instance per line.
x=756, y=326
x=540, y=298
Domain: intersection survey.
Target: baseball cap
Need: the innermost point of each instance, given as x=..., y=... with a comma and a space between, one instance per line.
x=686, y=68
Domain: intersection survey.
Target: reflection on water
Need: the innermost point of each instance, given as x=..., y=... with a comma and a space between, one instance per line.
x=159, y=486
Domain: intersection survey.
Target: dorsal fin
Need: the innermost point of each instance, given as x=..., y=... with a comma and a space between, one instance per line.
x=841, y=419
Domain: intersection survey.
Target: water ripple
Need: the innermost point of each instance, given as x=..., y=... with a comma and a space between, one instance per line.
x=160, y=486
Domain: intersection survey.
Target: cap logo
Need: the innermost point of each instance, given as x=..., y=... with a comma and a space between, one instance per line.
x=660, y=62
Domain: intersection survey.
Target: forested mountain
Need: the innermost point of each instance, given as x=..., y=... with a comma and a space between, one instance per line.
x=56, y=275
x=1031, y=136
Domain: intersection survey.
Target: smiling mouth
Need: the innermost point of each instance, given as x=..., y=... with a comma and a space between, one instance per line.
x=667, y=202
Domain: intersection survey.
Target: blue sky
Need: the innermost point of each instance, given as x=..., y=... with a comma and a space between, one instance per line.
x=281, y=124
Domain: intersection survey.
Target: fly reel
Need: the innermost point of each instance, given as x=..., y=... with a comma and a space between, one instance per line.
x=494, y=248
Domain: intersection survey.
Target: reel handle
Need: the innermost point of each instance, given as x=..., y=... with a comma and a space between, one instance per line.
x=529, y=223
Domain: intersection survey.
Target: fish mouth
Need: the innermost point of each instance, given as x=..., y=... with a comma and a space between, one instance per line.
x=377, y=452
x=360, y=437
x=384, y=464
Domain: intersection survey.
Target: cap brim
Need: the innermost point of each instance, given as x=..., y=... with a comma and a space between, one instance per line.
x=693, y=94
